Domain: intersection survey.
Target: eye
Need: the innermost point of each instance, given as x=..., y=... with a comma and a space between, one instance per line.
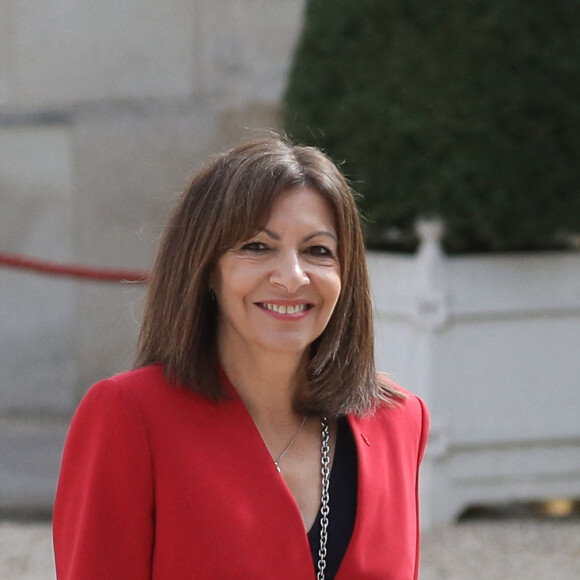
x=254, y=247
x=320, y=251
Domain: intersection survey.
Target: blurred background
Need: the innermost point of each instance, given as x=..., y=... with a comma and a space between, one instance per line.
x=458, y=123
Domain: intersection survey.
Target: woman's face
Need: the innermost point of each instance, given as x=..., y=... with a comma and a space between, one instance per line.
x=276, y=291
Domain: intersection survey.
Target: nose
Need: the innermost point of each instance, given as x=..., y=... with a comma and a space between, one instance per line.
x=289, y=273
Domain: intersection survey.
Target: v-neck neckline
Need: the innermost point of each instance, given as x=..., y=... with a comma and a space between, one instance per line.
x=281, y=485
x=265, y=455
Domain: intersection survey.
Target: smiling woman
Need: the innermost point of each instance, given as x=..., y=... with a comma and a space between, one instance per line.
x=254, y=411
x=228, y=205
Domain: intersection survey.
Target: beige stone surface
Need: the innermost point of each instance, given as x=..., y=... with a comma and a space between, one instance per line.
x=271, y=30
x=129, y=166
x=31, y=453
x=75, y=51
x=247, y=47
x=6, y=65
x=37, y=355
x=36, y=190
x=37, y=350
x=80, y=50
x=506, y=550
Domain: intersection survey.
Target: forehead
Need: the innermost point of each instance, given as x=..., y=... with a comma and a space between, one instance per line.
x=302, y=206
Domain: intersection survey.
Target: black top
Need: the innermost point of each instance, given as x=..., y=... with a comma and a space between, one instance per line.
x=342, y=503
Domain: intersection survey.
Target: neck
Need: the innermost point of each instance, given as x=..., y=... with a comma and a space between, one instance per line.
x=267, y=383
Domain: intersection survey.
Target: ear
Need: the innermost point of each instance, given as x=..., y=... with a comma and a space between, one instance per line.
x=212, y=284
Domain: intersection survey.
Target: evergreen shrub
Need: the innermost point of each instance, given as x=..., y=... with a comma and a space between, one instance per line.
x=466, y=109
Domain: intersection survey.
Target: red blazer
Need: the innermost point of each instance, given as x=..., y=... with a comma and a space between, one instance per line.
x=159, y=483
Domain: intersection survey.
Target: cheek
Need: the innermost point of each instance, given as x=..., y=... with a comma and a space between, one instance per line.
x=232, y=288
x=333, y=287
x=222, y=290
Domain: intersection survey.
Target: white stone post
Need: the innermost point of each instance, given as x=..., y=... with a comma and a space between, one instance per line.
x=430, y=316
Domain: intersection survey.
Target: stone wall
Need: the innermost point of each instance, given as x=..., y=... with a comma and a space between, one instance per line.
x=105, y=109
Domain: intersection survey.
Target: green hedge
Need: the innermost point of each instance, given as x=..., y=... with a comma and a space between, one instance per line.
x=466, y=109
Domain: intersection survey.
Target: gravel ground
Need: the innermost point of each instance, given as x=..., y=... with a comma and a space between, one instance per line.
x=474, y=550
x=26, y=552
x=504, y=550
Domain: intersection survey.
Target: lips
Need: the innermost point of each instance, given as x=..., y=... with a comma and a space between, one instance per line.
x=285, y=308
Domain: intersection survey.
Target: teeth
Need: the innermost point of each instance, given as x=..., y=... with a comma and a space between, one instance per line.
x=286, y=309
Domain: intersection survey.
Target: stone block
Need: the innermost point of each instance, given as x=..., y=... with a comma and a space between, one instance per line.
x=129, y=168
x=522, y=378
x=37, y=352
x=6, y=64
x=31, y=452
x=35, y=190
x=79, y=50
x=271, y=30
x=36, y=312
x=247, y=47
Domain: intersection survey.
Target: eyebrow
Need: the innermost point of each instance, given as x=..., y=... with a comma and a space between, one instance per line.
x=327, y=233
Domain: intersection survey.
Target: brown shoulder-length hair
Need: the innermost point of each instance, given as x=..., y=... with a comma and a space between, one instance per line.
x=227, y=202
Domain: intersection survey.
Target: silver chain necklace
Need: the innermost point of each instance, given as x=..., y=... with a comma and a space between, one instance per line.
x=281, y=456
x=325, y=471
x=325, y=508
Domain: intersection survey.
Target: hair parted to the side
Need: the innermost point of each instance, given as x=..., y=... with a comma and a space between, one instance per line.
x=227, y=202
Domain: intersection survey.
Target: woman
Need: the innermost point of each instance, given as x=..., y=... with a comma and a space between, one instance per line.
x=253, y=439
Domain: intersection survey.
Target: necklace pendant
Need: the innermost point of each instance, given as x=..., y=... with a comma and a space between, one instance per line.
x=281, y=456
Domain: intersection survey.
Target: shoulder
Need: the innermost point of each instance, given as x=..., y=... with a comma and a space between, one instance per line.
x=409, y=408
x=142, y=396
x=406, y=419
x=407, y=404
x=122, y=396
x=140, y=383
x=109, y=420
x=148, y=377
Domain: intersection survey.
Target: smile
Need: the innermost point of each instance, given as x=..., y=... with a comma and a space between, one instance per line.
x=282, y=309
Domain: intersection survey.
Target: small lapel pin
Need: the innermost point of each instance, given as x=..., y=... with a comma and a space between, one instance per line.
x=364, y=438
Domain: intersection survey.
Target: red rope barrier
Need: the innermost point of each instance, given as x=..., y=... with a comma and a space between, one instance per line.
x=72, y=270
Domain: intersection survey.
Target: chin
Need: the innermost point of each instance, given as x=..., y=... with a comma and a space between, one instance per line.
x=288, y=347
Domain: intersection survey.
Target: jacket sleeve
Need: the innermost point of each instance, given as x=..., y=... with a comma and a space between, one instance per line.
x=103, y=513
